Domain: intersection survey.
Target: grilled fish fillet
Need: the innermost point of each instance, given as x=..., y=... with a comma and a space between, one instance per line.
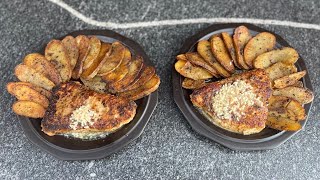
x=75, y=109
x=237, y=104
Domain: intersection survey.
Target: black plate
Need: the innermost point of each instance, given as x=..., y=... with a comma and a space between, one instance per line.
x=266, y=139
x=77, y=149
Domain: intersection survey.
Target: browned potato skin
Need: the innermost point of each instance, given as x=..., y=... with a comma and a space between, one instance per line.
x=241, y=37
x=228, y=41
x=296, y=110
x=28, y=109
x=95, y=84
x=188, y=83
x=298, y=84
x=196, y=59
x=72, y=50
x=43, y=66
x=41, y=90
x=114, y=60
x=83, y=44
x=25, y=93
x=186, y=69
x=302, y=95
x=221, y=53
x=289, y=80
x=146, y=74
x=95, y=46
x=280, y=70
x=261, y=43
x=282, y=124
x=182, y=57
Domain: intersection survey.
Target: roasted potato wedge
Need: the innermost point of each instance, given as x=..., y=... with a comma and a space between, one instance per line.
x=186, y=69
x=121, y=71
x=298, y=84
x=90, y=72
x=221, y=53
x=43, y=66
x=188, y=83
x=196, y=59
x=204, y=49
x=261, y=43
x=146, y=74
x=280, y=70
x=282, y=124
x=302, y=95
x=142, y=91
x=56, y=54
x=95, y=84
x=27, y=74
x=114, y=60
x=276, y=102
x=241, y=37
x=289, y=80
x=95, y=46
x=72, y=50
x=26, y=93
x=134, y=70
x=182, y=57
x=286, y=55
x=228, y=41
x=281, y=106
x=41, y=90
x=296, y=110
x=28, y=109
x=83, y=44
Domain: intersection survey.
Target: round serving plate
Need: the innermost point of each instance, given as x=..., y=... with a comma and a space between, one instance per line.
x=67, y=148
x=266, y=139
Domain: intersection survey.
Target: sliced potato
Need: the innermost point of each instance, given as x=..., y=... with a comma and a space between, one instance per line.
x=281, y=106
x=188, y=70
x=261, y=43
x=204, y=49
x=149, y=87
x=146, y=74
x=28, y=109
x=95, y=46
x=282, y=124
x=83, y=44
x=56, y=54
x=121, y=71
x=95, y=84
x=26, y=93
x=43, y=66
x=41, y=90
x=221, y=53
x=289, y=80
x=134, y=70
x=182, y=57
x=188, y=83
x=286, y=55
x=90, y=72
x=296, y=110
x=72, y=50
x=241, y=37
x=302, y=95
x=196, y=59
x=298, y=84
x=114, y=60
x=228, y=41
x=277, y=102
x=27, y=74
x=279, y=70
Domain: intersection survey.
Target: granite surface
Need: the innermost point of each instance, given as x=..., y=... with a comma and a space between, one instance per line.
x=168, y=148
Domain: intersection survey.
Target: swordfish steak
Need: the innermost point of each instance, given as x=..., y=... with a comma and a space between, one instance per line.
x=237, y=104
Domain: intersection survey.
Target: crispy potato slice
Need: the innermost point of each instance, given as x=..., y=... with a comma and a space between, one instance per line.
x=282, y=106
x=182, y=57
x=56, y=54
x=83, y=44
x=27, y=74
x=296, y=110
x=95, y=84
x=298, y=84
x=228, y=41
x=41, y=90
x=28, y=109
x=282, y=124
x=134, y=70
x=196, y=59
x=26, y=93
x=188, y=70
x=95, y=46
x=121, y=71
x=276, y=102
x=148, y=88
x=72, y=50
x=114, y=60
x=146, y=74
x=261, y=43
x=188, y=83
x=302, y=95
x=43, y=66
x=241, y=37
x=286, y=55
x=289, y=80
x=221, y=53
x=279, y=70
x=90, y=72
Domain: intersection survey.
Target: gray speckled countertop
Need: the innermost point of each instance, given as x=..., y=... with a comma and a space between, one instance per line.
x=168, y=148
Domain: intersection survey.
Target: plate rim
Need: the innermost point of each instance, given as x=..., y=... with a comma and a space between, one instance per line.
x=204, y=130
x=108, y=149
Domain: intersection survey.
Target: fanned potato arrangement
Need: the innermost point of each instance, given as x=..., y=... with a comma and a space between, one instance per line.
x=220, y=55
x=102, y=67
